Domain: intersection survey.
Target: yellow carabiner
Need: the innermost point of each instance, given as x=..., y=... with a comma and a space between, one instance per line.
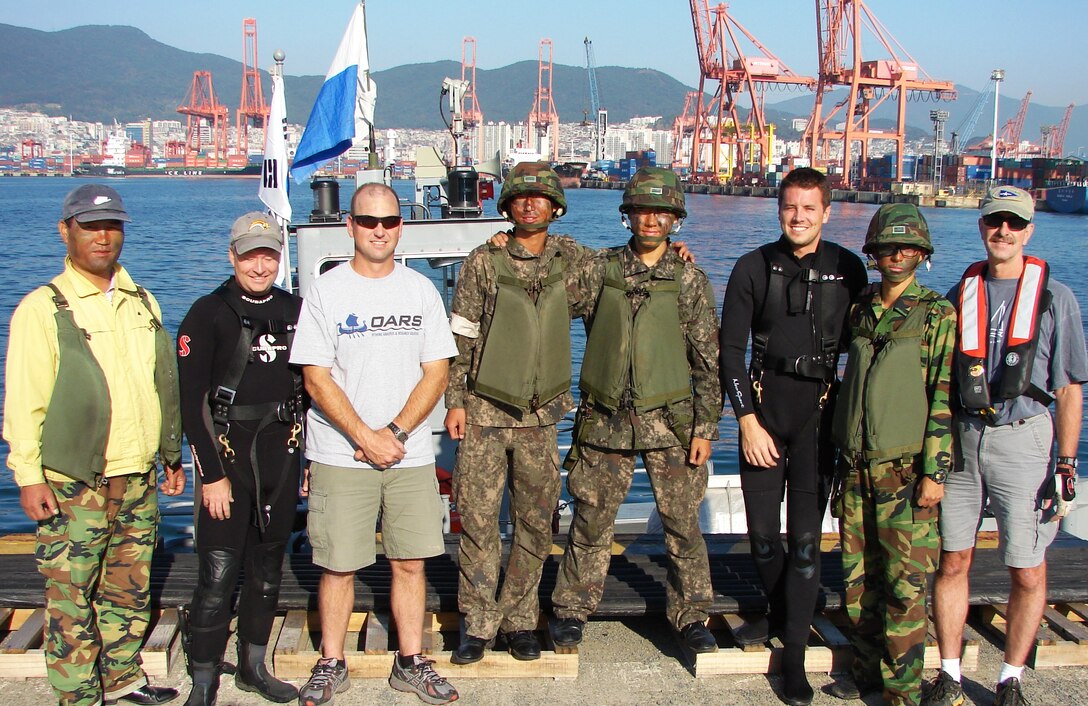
x=293, y=441
x=227, y=450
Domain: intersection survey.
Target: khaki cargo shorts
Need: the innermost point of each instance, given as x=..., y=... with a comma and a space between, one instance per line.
x=344, y=506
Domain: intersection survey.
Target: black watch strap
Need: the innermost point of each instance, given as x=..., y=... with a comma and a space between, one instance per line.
x=398, y=433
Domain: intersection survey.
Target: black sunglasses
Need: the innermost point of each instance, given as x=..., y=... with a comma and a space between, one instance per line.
x=994, y=220
x=371, y=222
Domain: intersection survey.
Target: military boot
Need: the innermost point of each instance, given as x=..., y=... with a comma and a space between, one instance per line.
x=205, y=683
x=253, y=676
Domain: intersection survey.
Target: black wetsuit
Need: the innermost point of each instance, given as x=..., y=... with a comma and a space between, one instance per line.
x=207, y=341
x=789, y=409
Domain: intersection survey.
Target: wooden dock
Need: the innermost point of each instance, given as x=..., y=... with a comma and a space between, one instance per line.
x=635, y=586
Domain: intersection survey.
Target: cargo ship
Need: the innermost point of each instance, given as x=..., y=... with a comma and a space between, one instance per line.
x=570, y=173
x=1067, y=199
x=121, y=157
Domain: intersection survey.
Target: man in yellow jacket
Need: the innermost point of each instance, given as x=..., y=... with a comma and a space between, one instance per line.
x=92, y=401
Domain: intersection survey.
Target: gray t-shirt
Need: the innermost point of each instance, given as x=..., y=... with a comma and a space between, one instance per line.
x=373, y=334
x=1060, y=359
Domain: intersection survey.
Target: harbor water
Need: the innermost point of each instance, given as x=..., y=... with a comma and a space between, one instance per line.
x=176, y=247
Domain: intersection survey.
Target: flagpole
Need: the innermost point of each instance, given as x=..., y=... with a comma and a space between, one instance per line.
x=372, y=158
x=284, y=280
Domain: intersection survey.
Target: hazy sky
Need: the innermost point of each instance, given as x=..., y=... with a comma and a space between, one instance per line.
x=1039, y=43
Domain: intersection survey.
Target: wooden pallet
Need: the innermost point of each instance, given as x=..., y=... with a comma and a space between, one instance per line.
x=828, y=650
x=22, y=655
x=371, y=642
x=1062, y=639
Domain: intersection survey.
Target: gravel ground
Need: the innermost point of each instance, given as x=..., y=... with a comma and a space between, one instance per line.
x=625, y=662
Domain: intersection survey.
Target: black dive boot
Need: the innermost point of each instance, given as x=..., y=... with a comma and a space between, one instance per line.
x=796, y=690
x=205, y=683
x=253, y=676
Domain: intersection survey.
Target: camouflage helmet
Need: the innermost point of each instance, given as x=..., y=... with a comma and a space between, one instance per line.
x=654, y=187
x=533, y=178
x=898, y=223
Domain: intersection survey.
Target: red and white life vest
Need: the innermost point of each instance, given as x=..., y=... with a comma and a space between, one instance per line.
x=1021, y=341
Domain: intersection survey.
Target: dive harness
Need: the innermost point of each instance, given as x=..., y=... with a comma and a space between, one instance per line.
x=819, y=365
x=224, y=411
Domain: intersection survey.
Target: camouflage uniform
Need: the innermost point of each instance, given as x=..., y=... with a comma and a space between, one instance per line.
x=605, y=449
x=82, y=547
x=501, y=439
x=889, y=544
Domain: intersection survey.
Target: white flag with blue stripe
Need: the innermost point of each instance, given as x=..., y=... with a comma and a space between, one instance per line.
x=344, y=109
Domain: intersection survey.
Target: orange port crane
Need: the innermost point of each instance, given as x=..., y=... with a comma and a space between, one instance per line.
x=31, y=149
x=1054, y=135
x=1008, y=143
x=682, y=128
x=251, y=107
x=543, y=118
x=839, y=26
x=471, y=115
x=203, y=109
x=720, y=141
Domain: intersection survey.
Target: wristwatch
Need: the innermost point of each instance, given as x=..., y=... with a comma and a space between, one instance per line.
x=398, y=433
x=939, y=477
x=1070, y=461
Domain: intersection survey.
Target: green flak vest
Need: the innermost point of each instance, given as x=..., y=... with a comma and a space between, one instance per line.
x=882, y=408
x=640, y=355
x=525, y=361
x=76, y=427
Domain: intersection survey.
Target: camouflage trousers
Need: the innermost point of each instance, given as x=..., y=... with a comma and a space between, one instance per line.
x=598, y=483
x=96, y=559
x=889, y=548
x=489, y=459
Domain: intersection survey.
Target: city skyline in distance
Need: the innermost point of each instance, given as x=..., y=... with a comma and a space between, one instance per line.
x=960, y=42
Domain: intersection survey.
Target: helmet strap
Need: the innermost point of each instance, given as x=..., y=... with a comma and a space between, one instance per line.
x=651, y=242
x=532, y=227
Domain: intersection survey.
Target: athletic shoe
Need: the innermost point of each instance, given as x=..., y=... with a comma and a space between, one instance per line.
x=942, y=691
x=1008, y=694
x=849, y=690
x=421, y=679
x=328, y=678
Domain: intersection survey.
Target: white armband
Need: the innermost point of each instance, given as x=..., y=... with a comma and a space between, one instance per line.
x=463, y=327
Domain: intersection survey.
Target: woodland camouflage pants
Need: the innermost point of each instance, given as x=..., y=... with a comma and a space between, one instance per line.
x=889, y=548
x=95, y=556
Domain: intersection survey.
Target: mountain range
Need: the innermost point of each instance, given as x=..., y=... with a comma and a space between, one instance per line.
x=106, y=73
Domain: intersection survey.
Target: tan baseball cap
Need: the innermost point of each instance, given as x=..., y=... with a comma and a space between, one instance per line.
x=1009, y=199
x=255, y=230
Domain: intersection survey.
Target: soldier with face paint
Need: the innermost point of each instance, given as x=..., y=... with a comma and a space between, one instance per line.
x=508, y=387
x=650, y=388
x=894, y=457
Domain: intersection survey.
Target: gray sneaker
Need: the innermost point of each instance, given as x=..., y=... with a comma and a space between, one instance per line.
x=421, y=679
x=1008, y=693
x=942, y=691
x=327, y=678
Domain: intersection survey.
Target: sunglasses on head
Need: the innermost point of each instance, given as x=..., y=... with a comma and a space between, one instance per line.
x=994, y=220
x=891, y=249
x=366, y=221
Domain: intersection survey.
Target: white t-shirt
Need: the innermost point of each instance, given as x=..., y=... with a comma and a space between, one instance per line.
x=373, y=334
